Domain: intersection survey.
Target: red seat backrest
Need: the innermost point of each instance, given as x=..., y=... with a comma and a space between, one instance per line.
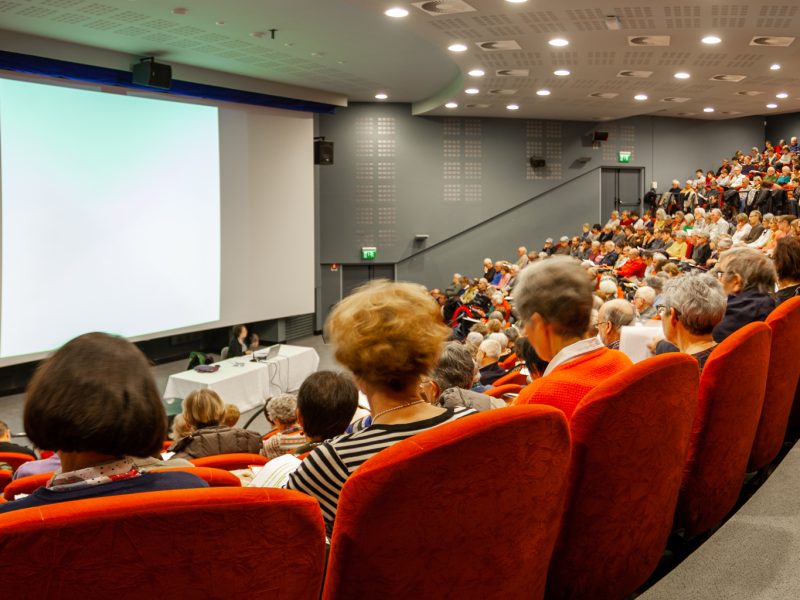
x=15, y=459
x=784, y=370
x=514, y=377
x=728, y=407
x=465, y=510
x=630, y=435
x=229, y=462
x=26, y=485
x=114, y=546
x=509, y=362
x=498, y=391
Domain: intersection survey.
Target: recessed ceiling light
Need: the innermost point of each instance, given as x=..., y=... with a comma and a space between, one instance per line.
x=457, y=48
x=772, y=105
x=512, y=106
x=775, y=67
x=711, y=39
x=782, y=95
x=682, y=75
x=516, y=1
x=561, y=73
x=381, y=96
x=451, y=105
x=220, y=23
x=708, y=109
x=396, y=12
x=640, y=97
x=558, y=42
x=472, y=91
x=476, y=73
x=542, y=92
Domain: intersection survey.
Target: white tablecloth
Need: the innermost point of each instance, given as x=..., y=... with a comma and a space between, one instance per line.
x=247, y=384
x=633, y=340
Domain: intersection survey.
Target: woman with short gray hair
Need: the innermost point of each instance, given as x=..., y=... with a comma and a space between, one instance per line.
x=748, y=277
x=693, y=305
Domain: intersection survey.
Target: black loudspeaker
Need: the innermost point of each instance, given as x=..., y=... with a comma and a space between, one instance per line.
x=538, y=163
x=323, y=152
x=600, y=136
x=152, y=74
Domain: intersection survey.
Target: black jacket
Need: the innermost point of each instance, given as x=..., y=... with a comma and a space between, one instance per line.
x=744, y=308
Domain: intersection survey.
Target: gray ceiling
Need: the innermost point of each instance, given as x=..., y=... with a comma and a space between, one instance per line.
x=351, y=48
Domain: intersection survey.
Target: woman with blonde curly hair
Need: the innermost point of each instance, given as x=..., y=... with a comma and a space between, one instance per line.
x=390, y=336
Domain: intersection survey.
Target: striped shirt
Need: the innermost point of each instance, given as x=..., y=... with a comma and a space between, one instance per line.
x=323, y=472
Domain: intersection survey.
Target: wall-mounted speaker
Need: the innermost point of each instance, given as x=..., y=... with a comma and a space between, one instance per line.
x=538, y=163
x=152, y=74
x=600, y=136
x=323, y=152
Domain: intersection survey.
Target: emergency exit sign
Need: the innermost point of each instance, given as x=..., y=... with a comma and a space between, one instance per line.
x=624, y=156
x=368, y=252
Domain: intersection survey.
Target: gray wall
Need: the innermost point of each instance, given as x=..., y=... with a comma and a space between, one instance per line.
x=781, y=126
x=396, y=175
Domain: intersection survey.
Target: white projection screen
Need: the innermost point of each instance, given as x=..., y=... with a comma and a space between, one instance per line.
x=143, y=216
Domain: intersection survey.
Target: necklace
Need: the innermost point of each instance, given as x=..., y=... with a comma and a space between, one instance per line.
x=388, y=410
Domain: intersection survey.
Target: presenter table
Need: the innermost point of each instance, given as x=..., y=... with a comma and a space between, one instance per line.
x=245, y=383
x=755, y=555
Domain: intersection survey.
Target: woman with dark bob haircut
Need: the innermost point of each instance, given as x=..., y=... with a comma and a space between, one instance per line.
x=787, y=265
x=95, y=402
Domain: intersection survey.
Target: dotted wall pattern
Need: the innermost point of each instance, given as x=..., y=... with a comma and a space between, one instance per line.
x=543, y=139
x=462, y=167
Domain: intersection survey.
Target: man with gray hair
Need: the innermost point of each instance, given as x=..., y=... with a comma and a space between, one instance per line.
x=693, y=305
x=766, y=233
x=488, y=354
x=451, y=379
x=522, y=252
x=644, y=302
x=612, y=317
x=717, y=226
x=554, y=301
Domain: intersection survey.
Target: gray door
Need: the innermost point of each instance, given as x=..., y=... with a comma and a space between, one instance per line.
x=330, y=292
x=609, y=200
x=620, y=189
x=354, y=276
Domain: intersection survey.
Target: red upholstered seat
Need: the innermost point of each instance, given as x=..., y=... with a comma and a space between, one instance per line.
x=464, y=510
x=514, y=377
x=728, y=407
x=223, y=543
x=213, y=477
x=630, y=436
x=166, y=445
x=25, y=485
x=15, y=459
x=784, y=369
x=499, y=390
x=229, y=462
x=509, y=362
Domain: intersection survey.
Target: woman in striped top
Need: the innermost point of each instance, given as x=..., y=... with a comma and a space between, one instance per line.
x=389, y=335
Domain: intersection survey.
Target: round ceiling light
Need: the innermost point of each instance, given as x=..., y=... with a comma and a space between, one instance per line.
x=381, y=96
x=561, y=72
x=640, y=97
x=682, y=75
x=708, y=109
x=396, y=12
x=772, y=105
x=782, y=95
x=476, y=73
x=472, y=91
x=558, y=42
x=451, y=105
x=457, y=48
x=542, y=92
x=711, y=40
x=775, y=67
x=512, y=106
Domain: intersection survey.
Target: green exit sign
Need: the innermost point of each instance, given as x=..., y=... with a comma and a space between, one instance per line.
x=624, y=157
x=368, y=252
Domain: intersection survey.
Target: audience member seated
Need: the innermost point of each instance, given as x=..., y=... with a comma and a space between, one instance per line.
x=51, y=464
x=678, y=248
x=701, y=250
x=203, y=411
x=611, y=318
x=99, y=420
x=756, y=228
x=232, y=415
x=389, y=335
x=693, y=305
x=525, y=351
x=237, y=345
x=634, y=267
x=786, y=258
x=450, y=382
x=281, y=412
x=6, y=445
x=326, y=403
x=748, y=278
x=644, y=300
x=554, y=300
x=488, y=356
x=180, y=429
